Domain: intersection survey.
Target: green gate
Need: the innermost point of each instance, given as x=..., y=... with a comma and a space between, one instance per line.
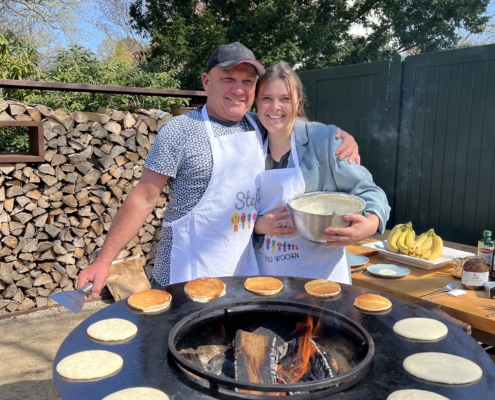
x=357, y=99
x=426, y=129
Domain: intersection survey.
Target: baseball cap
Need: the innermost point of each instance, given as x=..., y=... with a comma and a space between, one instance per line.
x=228, y=55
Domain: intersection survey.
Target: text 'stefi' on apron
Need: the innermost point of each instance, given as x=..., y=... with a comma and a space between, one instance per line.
x=212, y=238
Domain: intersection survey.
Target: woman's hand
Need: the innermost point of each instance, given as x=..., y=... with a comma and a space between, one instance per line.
x=361, y=228
x=275, y=224
x=348, y=148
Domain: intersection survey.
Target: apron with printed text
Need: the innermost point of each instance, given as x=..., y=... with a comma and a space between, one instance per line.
x=213, y=238
x=293, y=255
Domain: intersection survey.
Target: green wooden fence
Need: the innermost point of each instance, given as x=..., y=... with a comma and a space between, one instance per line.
x=425, y=125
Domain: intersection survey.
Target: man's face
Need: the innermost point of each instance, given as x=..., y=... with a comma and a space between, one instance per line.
x=230, y=91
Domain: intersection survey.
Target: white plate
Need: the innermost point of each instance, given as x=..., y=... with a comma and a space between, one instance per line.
x=448, y=255
x=355, y=260
x=400, y=271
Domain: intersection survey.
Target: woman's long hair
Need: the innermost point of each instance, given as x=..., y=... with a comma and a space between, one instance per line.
x=283, y=71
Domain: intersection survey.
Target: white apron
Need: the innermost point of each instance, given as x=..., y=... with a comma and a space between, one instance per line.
x=212, y=238
x=293, y=255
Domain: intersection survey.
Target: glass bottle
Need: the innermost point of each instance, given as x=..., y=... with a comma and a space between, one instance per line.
x=475, y=273
x=485, y=247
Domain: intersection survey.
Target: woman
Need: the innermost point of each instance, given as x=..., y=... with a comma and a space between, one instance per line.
x=300, y=158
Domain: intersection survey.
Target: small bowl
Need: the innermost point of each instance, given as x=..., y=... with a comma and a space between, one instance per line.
x=314, y=212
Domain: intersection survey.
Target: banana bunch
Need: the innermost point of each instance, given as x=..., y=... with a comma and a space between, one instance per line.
x=401, y=238
x=428, y=246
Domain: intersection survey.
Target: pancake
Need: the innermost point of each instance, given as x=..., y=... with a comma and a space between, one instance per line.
x=387, y=271
x=426, y=329
x=264, y=285
x=91, y=364
x=415, y=394
x=112, y=329
x=322, y=289
x=372, y=302
x=203, y=290
x=150, y=300
x=138, y=393
x=442, y=368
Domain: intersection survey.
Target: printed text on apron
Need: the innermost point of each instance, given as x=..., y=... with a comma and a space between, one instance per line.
x=212, y=238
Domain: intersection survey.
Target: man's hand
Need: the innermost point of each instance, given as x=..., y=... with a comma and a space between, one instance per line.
x=126, y=224
x=361, y=228
x=275, y=224
x=348, y=148
x=96, y=273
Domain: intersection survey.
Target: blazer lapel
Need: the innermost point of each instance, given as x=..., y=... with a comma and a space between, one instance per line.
x=301, y=134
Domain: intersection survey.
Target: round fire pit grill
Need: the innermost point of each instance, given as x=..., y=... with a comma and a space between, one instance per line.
x=332, y=385
x=149, y=360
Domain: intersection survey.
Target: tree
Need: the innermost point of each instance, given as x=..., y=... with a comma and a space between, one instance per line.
x=18, y=58
x=45, y=24
x=127, y=49
x=26, y=15
x=307, y=33
x=116, y=23
x=79, y=65
x=487, y=36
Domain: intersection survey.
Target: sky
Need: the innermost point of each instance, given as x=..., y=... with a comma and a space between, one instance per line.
x=92, y=37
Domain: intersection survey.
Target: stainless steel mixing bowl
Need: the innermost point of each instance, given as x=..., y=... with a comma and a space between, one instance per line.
x=314, y=212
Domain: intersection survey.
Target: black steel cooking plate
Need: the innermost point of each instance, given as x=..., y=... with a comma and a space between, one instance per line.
x=147, y=360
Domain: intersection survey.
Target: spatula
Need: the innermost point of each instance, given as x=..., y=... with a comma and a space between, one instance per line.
x=73, y=299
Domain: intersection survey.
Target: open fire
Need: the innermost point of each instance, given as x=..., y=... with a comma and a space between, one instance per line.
x=305, y=351
x=273, y=349
x=264, y=357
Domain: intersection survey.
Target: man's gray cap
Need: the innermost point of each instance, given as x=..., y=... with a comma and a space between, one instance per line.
x=228, y=55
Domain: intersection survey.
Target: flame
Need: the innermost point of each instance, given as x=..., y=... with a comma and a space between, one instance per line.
x=305, y=350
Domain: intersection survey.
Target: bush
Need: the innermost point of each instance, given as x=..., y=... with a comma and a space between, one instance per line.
x=79, y=65
x=18, y=58
x=14, y=139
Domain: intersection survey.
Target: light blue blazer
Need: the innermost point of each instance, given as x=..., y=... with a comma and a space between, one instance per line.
x=323, y=171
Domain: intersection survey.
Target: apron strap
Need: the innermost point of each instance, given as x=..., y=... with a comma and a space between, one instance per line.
x=206, y=119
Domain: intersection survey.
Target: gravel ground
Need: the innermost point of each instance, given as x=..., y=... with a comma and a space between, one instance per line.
x=28, y=345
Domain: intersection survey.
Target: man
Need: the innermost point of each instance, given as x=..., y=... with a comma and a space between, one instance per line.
x=210, y=159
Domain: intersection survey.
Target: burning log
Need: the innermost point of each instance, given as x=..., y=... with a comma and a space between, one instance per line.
x=255, y=357
x=203, y=354
x=294, y=367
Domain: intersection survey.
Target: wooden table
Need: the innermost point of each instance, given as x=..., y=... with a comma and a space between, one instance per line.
x=469, y=308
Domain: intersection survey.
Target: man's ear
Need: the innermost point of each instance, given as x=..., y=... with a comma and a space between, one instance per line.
x=206, y=81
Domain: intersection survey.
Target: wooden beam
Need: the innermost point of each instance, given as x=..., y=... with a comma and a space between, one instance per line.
x=77, y=87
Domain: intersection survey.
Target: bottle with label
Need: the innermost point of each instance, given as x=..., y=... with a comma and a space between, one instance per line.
x=486, y=246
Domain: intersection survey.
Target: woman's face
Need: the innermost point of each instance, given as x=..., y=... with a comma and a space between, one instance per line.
x=275, y=109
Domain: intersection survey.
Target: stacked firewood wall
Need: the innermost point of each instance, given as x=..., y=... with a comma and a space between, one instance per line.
x=54, y=215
